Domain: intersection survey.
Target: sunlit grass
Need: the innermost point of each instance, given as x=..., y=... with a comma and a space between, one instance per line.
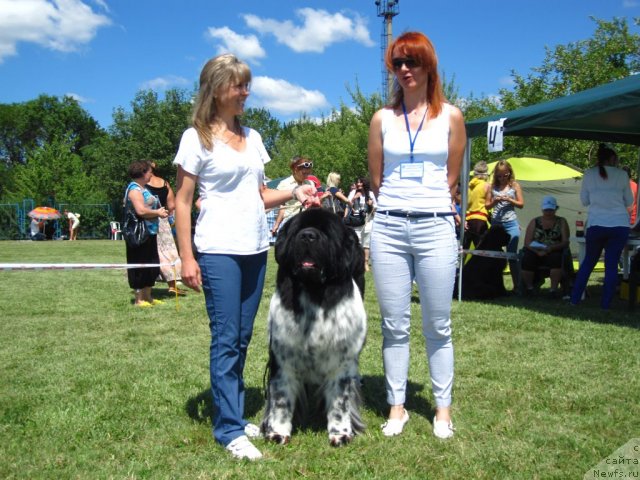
x=95, y=388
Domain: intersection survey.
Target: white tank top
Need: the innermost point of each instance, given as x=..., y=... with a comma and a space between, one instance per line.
x=429, y=193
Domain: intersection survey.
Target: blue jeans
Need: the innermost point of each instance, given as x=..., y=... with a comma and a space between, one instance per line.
x=612, y=240
x=232, y=287
x=425, y=250
x=512, y=227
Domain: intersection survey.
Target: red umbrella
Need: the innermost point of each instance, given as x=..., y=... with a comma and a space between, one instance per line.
x=44, y=213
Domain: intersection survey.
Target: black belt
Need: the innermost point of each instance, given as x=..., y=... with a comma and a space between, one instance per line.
x=393, y=213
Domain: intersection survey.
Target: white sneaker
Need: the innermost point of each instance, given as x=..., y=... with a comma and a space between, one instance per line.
x=242, y=448
x=442, y=428
x=252, y=430
x=394, y=427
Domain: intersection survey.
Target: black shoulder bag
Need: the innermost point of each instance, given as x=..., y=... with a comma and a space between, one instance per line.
x=134, y=228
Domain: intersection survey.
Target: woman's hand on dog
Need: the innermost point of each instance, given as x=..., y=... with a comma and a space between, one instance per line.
x=306, y=195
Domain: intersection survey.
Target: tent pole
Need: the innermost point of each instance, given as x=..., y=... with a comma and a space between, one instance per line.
x=464, y=187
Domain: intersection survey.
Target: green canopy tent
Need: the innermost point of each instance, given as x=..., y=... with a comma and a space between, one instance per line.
x=609, y=112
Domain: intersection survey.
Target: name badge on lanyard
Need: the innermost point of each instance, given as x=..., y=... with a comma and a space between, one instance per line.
x=411, y=169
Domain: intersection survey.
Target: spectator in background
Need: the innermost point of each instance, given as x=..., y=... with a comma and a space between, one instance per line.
x=74, y=223
x=504, y=196
x=634, y=191
x=167, y=251
x=477, y=216
x=362, y=202
x=36, y=228
x=334, y=198
x=146, y=206
x=544, y=242
x=300, y=167
x=606, y=191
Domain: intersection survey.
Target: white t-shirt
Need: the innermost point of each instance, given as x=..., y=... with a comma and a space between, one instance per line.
x=430, y=193
x=232, y=219
x=607, y=199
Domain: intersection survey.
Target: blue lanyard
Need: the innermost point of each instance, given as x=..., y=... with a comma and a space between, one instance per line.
x=412, y=141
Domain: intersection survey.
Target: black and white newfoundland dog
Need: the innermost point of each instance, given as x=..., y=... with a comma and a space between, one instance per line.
x=317, y=327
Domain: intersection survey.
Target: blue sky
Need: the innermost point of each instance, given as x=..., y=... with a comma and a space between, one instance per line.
x=303, y=54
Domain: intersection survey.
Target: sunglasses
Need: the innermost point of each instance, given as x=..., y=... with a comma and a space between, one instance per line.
x=503, y=175
x=409, y=62
x=305, y=165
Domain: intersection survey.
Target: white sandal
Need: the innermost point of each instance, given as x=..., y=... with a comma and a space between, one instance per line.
x=395, y=426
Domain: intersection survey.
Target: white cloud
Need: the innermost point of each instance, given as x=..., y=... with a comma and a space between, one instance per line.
x=319, y=29
x=630, y=3
x=506, y=81
x=284, y=97
x=163, y=83
x=79, y=98
x=246, y=47
x=62, y=25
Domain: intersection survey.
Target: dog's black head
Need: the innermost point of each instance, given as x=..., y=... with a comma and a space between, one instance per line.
x=316, y=249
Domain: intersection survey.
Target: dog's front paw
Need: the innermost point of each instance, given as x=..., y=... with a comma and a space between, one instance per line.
x=337, y=440
x=277, y=438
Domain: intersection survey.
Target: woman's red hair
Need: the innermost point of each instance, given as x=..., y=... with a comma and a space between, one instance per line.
x=417, y=46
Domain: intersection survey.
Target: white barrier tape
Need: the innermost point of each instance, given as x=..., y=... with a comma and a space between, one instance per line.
x=79, y=266
x=492, y=254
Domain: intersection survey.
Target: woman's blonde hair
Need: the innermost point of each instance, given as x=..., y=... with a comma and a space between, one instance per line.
x=417, y=46
x=503, y=165
x=333, y=179
x=218, y=73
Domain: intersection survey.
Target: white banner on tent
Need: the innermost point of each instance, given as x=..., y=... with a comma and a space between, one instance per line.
x=495, y=135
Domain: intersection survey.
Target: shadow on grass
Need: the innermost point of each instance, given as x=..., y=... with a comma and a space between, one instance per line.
x=200, y=408
x=374, y=397
x=587, y=310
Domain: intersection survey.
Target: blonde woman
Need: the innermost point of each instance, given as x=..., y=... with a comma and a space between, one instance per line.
x=225, y=161
x=504, y=196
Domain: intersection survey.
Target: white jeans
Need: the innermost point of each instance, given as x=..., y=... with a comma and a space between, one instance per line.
x=426, y=250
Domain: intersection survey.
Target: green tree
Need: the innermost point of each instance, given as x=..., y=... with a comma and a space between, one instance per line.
x=54, y=172
x=265, y=124
x=26, y=126
x=151, y=130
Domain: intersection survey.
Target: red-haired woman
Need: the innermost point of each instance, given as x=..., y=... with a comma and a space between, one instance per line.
x=416, y=144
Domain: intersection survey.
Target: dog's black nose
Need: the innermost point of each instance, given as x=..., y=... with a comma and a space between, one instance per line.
x=308, y=235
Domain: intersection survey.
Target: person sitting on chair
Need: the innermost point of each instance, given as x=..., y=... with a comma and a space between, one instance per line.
x=36, y=230
x=545, y=240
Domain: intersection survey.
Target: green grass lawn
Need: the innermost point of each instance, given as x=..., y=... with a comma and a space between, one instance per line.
x=92, y=387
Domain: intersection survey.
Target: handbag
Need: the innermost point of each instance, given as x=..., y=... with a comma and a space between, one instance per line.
x=134, y=229
x=355, y=218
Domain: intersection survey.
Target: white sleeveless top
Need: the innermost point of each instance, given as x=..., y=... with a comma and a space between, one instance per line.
x=431, y=192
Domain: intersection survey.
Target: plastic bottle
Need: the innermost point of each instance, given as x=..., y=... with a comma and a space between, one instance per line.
x=580, y=225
